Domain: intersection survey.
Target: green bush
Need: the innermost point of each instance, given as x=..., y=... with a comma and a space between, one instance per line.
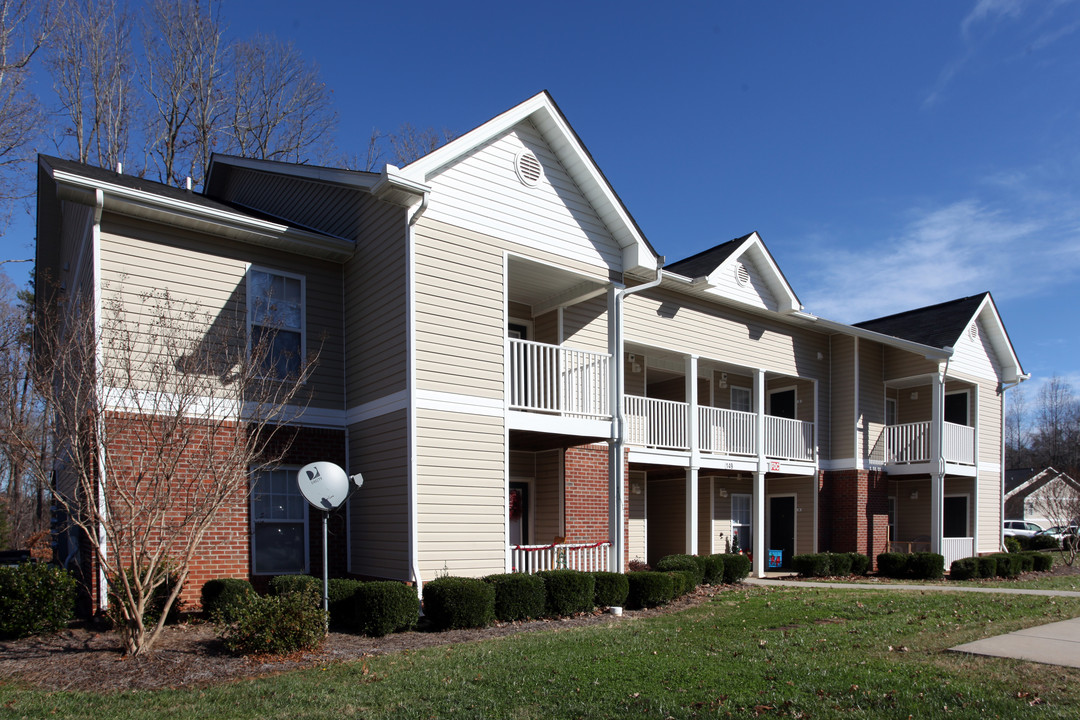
x=713, y=565
x=568, y=592
x=986, y=566
x=964, y=569
x=926, y=566
x=1023, y=541
x=682, y=582
x=285, y=584
x=839, y=564
x=736, y=567
x=35, y=598
x=339, y=593
x=380, y=608
x=649, y=589
x=1042, y=561
x=222, y=598
x=1012, y=544
x=611, y=589
x=1008, y=566
x=683, y=563
x=276, y=624
x=860, y=564
x=1044, y=542
x=458, y=602
x=893, y=565
x=1027, y=563
x=518, y=596
x=811, y=564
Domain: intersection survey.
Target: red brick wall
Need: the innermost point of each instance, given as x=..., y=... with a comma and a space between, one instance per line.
x=585, y=498
x=854, y=512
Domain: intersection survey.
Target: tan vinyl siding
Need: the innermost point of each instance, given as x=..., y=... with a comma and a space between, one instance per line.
x=903, y=364
x=547, y=508
x=210, y=274
x=637, y=530
x=722, y=507
x=842, y=437
x=804, y=490
x=988, y=502
x=913, y=515
x=915, y=404
x=376, y=293
x=871, y=420
x=666, y=510
x=460, y=493
x=546, y=328
x=635, y=374
x=585, y=325
x=379, y=511
x=705, y=525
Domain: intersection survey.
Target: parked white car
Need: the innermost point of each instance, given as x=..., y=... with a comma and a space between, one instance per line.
x=1058, y=532
x=1022, y=528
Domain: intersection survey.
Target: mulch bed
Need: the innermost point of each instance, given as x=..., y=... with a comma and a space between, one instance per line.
x=190, y=654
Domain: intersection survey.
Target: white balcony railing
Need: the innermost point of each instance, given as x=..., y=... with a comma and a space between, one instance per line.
x=787, y=439
x=656, y=423
x=726, y=432
x=559, y=380
x=910, y=443
x=588, y=557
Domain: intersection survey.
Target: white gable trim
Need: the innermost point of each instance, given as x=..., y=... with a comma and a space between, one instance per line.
x=1011, y=372
x=637, y=257
x=754, y=249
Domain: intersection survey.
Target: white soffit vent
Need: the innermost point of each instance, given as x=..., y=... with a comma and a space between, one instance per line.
x=973, y=332
x=742, y=275
x=528, y=168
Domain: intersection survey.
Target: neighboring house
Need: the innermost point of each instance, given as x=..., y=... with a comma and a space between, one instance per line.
x=1041, y=497
x=508, y=363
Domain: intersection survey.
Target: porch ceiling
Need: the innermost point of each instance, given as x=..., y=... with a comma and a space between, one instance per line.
x=544, y=287
x=537, y=442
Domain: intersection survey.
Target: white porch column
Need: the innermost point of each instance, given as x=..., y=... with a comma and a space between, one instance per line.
x=758, y=499
x=937, y=474
x=616, y=466
x=691, y=510
x=691, y=523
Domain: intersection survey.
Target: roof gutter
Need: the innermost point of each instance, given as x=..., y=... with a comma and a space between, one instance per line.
x=928, y=351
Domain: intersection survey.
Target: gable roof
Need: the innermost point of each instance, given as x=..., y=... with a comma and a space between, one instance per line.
x=1039, y=480
x=706, y=261
x=639, y=257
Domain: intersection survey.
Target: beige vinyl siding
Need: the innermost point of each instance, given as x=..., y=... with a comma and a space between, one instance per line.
x=635, y=374
x=975, y=357
x=705, y=522
x=871, y=419
x=804, y=490
x=379, y=511
x=842, y=437
x=666, y=510
x=913, y=515
x=546, y=328
x=988, y=537
x=461, y=489
x=734, y=380
x=548, y=497
x=903, y=364
x=915, y=404
x=585, y=325
x=482, y=192
x=209, y=273
x=722, y=507
x=637, y=529
x=756, y=292
x=376, y=293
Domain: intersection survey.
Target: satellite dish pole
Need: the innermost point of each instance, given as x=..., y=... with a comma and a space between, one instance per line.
x=326, y=486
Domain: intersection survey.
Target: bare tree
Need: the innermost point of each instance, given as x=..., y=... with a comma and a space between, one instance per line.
x=162, y=414
x=91, y=66
x=409, y=143
x=1017, y=445
x=281, y=108
x=1058, y=500
x=1056, y=439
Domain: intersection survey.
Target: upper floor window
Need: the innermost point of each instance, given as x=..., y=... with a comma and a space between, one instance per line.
x=276, y=318
x=740, y=399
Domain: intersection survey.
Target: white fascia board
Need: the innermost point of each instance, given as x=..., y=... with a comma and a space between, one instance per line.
x=638, y=259
x=336, y=176
x=394, y=186
x=928, y=351
x=787, y=300
x=999, y=338
x=255, y=230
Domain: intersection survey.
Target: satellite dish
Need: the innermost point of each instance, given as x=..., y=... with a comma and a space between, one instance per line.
x=323, y=484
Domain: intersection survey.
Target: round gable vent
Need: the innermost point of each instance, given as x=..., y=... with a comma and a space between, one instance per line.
x=528, y=168
x=742, y=275
x=973, y=332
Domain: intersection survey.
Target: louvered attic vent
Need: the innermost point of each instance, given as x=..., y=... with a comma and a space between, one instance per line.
x=742, y=275
x=528, y=168
x=973, y=332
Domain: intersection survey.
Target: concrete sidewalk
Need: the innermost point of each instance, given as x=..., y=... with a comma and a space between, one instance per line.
x=1057, y=643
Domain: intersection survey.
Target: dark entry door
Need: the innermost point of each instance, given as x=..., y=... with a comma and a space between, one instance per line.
x=519, y=513
x=782, y=404
x=956, y=517
x=782, y=529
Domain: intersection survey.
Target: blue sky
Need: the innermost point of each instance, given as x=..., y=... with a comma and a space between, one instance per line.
x=891, y=155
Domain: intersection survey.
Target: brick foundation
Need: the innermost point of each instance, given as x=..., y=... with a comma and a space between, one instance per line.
x=854, y=512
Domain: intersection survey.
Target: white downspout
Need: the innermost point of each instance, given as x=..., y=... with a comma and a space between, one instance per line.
x=99, y=368
x=410, y=290
x=616, y=465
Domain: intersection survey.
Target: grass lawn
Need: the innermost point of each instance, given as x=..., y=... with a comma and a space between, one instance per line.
x=798, y=653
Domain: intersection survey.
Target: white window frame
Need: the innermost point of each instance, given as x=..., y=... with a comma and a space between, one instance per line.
x=968, y=420
x=750, y=505
x=776, y=391
x=251, y=309
x=749, y=397
x=291, y=469
x=891, y=402
x=891, y=514
x=967, y=512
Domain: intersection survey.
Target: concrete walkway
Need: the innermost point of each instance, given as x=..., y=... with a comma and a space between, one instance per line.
x=1057, y=643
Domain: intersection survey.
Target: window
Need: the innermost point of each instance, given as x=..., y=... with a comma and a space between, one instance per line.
x=890, y=411
x=741, y=529
x=276, y=317
x=278, y=523
x=956, y=408
x=782, y=403
x=741, y=399
x=892, y=518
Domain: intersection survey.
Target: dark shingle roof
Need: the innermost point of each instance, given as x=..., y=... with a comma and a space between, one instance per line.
x=938, y=325
x=1017, y=476
x=707, y=260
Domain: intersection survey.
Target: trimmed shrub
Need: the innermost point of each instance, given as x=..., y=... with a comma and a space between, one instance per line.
x=1008, y=566
x=649, y=589
x=839, y=564
x=1012, y=544
x=1042, y=561
x=458, y=602
x=518, y=596
x=285, y=584
x=736, y=567
x=222, y=598
x=811, y=564
x=986, y=566
x=713, y=565
x=340, y=592
x=568, y=592
x=964, y=569
x=382, y=607
x=35, y=598
x=683, y=563
x=926, y=566
x=1023, y=541
x=860, y=564
x=893, y=565
x=682, y=582
x=276, y=624
x=1027, y=563
x=611, y=589
x=1044, y=542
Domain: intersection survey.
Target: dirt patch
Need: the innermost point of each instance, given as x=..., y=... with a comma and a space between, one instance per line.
x=190, y=654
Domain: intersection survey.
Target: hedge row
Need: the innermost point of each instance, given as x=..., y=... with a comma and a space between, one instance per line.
x=1003, y=565
x=919, y=566
x=35, y=598
x=830, y=564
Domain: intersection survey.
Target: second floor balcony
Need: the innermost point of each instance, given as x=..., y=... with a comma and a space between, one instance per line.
x=910, y=444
